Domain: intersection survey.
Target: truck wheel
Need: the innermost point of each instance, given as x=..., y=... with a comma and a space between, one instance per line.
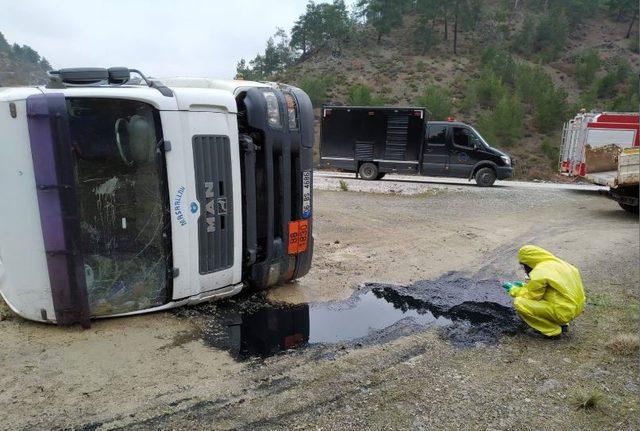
x=485, y=177
x=368, y=171
x=629, y=208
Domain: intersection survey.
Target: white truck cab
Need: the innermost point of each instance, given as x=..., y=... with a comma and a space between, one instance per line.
x=123, y=198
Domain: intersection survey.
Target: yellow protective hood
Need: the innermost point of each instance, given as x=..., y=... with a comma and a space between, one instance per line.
x=532, y=255
x=554, y=294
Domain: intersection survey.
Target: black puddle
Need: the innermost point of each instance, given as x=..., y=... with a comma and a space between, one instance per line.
x=468, y=312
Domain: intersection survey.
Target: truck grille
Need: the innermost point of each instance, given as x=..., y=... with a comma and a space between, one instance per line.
x=212, y=166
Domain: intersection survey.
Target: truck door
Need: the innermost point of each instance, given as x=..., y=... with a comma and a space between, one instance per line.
x=435, y=158
x=465, y=151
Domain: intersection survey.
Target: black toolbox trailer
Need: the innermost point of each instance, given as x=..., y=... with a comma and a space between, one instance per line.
x=372, y=141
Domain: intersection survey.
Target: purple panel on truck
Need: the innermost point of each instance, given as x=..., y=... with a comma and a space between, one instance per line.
x=53, y=168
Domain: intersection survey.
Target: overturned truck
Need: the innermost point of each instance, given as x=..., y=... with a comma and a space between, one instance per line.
x=123, y=194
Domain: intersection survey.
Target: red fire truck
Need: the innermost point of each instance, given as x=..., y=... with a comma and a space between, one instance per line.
x=603, y=148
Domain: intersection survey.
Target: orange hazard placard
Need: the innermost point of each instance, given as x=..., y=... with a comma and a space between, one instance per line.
x=293, y=237
x=298, y=236
x=303, y=235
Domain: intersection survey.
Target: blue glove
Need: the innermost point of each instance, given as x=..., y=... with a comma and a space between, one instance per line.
x=507, y=286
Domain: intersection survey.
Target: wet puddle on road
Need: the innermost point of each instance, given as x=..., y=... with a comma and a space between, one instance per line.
x=273, y=328
x=252, y=327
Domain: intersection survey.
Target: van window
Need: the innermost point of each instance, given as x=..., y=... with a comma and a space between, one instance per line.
x=437, y=136
x=464, y=137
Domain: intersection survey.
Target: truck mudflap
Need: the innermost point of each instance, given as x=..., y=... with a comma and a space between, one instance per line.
x=277, y=169
x=51, y=151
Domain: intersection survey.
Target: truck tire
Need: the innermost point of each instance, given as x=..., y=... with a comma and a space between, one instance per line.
x=368, y=171
x=629, y=208
x=380, y=176
x=485, y=177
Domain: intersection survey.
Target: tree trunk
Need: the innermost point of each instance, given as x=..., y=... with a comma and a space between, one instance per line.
x=446, y=26
x=633, y=20
x=455, y=31
x=515, y=10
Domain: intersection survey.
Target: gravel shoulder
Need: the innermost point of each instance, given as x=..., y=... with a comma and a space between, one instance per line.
x=151, y=372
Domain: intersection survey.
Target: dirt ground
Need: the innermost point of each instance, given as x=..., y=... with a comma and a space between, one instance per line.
x=151, y=372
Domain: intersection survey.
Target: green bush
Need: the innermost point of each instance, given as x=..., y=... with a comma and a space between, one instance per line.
x=437, y=100
x=622, y=69
x=634, y=45
x=532, y=80
x=503, y=125
x=588, y=99
x=362, y=95
x=489, y=88
x=470, y=98
x=545, y=38
x=606, y=86
x=550, y=151
x=627, y=100
x=586, y=67
x=536, y=88
x=316, y=88
x=550, y=107
x=525, y=39
x=501, y=62
x=551, y=36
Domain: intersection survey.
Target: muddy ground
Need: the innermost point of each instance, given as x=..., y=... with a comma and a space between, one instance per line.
x=159, y=371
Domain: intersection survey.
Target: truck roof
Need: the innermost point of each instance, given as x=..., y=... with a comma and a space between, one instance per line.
x=9, y=94
x=231, y=85
x=185, y=90
x=377, y=108
x=181, y=98
x=449, y=123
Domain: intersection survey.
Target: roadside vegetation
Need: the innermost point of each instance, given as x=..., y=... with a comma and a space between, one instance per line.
x=516, y=69
x=21, y=64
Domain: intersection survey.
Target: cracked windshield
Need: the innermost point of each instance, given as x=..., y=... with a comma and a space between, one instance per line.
x=120, y=185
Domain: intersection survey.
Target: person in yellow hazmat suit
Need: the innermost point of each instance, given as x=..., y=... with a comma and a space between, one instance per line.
x=554, y=294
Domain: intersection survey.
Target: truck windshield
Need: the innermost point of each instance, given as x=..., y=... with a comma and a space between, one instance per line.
x=122, y=195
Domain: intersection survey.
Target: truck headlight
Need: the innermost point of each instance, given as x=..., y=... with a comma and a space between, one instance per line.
x=506, y=160
x=273, y=109
x=292, y=112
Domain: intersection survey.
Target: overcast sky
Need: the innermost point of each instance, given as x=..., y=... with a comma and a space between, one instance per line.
x=159, y=37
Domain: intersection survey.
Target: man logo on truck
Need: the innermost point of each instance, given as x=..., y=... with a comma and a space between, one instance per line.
x=210, y=206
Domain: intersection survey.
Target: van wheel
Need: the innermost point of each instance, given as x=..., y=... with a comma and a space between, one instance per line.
x=368, y=171
x=485, y=177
